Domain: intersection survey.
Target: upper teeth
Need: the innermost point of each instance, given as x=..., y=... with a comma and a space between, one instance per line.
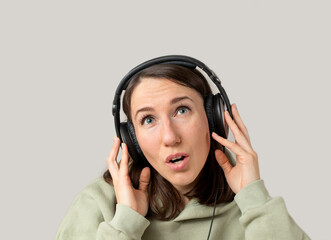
x=176, y=158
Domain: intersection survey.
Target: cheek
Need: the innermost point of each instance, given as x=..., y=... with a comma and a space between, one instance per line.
x=203, y=135
x=147, y=142
x=201, y=127
x=198, y=136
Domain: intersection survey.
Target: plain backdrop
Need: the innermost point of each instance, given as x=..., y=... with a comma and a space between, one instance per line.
x=60, y=62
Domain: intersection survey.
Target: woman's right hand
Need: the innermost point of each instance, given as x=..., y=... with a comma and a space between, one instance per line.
x=126, y=194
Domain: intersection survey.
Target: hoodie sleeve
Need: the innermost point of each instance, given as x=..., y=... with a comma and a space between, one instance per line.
x=264, y=217
x=89, y=218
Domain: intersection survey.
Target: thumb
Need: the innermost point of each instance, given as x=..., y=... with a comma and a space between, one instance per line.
x=223, y=161
x=145, y=176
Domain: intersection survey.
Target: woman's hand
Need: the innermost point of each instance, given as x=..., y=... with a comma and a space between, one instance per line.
x=126, y=194
x=246, y=169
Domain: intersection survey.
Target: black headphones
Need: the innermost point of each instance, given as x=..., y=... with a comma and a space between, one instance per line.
x=214, y=104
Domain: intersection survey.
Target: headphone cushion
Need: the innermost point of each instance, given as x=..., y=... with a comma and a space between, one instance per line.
x=214, y=107
x=208, y=101
x=127, y=139
x=134, y=141
x=220, y=125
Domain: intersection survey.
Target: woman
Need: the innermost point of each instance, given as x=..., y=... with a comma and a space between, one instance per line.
x=169, y=191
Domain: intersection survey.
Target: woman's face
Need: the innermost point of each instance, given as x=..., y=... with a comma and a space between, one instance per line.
x=172, y=129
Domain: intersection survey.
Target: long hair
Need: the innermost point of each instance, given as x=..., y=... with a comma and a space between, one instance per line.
x=164, y=199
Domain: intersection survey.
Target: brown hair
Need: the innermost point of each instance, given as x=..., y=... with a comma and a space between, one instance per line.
x=164, y=200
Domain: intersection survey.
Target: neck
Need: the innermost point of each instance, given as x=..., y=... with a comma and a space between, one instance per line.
x=185, y=200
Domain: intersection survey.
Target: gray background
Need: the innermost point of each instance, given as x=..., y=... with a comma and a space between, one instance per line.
x=61, y=61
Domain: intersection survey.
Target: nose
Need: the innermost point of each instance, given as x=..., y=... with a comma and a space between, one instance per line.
x=170, y=134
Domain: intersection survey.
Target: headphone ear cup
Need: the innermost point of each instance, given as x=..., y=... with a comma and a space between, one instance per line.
x=208, y=101
x=129, y=138
x=126, y=138
x=221, y=126
x=214, y=107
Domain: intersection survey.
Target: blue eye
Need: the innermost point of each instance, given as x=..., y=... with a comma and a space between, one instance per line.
x=182, y=110
x=147, y=120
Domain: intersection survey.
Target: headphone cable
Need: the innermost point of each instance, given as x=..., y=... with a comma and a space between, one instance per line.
x=212, y=219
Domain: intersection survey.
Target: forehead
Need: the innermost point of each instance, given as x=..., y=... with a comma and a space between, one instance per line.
x=152, y=90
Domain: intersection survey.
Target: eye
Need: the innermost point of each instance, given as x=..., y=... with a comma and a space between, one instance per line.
x=146, y=120
x=182, y=110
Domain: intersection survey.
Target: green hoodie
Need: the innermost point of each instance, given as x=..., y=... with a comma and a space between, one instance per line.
x=253, y=215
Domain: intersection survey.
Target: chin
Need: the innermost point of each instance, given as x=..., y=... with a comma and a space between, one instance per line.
x=183, y=182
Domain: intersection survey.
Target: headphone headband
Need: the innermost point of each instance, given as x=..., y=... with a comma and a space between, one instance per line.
x=182, y=60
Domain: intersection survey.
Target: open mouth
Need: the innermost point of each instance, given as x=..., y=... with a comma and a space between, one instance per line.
x=177, y=160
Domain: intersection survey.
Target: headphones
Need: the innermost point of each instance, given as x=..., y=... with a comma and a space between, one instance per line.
x=214, y=104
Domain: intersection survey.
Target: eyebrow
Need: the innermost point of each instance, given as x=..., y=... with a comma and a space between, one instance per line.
x=173, y=101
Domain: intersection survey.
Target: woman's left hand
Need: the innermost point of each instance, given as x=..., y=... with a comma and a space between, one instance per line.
x=246, y=169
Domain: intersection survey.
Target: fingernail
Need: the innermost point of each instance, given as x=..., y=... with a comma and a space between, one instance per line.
x=235, y=106
x=214, y=134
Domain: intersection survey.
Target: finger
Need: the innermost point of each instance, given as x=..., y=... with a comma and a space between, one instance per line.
x=144, y=179
x=111, y=160
x=223, y=161
x=235, y=148
x=239, y=122
x=124, y=163
x=238, y=135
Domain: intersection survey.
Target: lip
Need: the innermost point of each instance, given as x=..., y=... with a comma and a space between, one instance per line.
x=177, y=166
